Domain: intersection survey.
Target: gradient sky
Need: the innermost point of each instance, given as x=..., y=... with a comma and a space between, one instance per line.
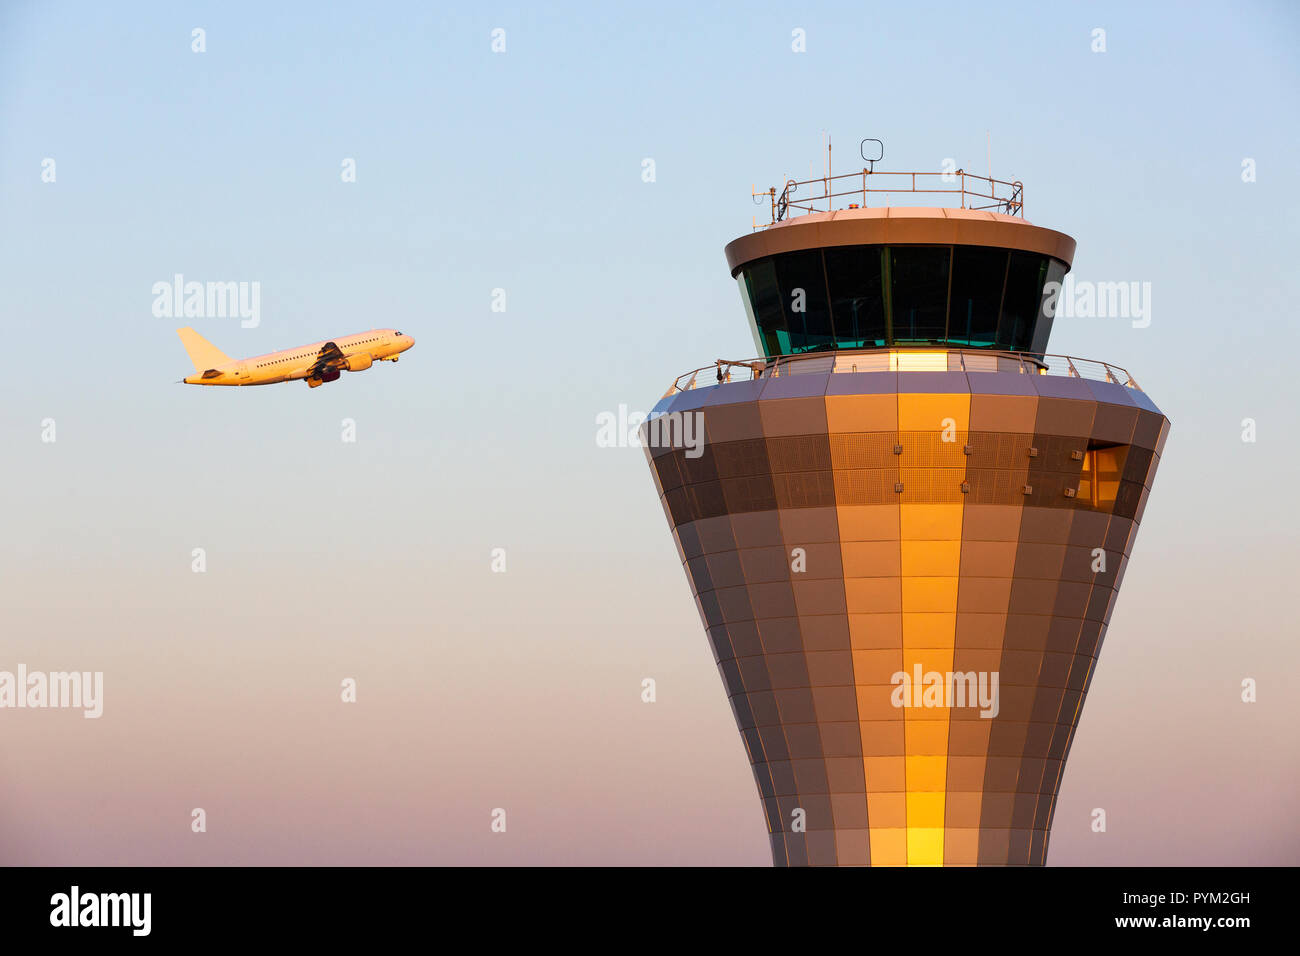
x=522, y=171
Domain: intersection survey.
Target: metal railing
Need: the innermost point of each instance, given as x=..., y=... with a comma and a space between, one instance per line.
x=900, y=360
x=820, y=195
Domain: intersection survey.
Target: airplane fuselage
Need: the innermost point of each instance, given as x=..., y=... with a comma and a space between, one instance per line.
x=317, y=363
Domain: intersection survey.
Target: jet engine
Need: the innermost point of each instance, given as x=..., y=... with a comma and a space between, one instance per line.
x=359, y=363
x=326, y=375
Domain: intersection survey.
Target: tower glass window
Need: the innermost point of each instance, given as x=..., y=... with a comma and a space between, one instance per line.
x=872, y=296
x=918, y=292
x=765, y=305
x=853, y=276
x=977, y=277
x=1026, y=273
x=801, y=278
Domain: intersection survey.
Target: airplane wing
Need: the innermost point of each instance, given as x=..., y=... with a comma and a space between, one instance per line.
x=329, y=357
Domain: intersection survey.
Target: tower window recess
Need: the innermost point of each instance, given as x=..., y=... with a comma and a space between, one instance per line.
x=1103, y=466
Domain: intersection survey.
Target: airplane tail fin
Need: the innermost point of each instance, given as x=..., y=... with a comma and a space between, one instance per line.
x=202, y=353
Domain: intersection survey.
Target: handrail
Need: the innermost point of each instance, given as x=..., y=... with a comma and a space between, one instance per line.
x=974, y=191
x=901, y=359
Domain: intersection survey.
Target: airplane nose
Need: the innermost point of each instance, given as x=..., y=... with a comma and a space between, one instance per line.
x=407, y=342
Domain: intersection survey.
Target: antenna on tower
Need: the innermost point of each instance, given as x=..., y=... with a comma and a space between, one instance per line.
x=829, y=188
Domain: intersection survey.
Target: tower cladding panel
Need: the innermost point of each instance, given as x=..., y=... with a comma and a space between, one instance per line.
x=905, y=532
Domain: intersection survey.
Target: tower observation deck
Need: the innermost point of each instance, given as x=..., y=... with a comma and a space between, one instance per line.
x=907, y=523
x=973, y=276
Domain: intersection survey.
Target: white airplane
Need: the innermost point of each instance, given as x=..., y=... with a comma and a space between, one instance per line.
x=317, y=363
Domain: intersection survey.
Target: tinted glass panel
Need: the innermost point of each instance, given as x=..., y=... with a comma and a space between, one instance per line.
x=977, y=277
x=857, y=299
x=1047, y=305
x=853, y=297
x=1026, y=274
x=765, y=299
x=919, y=292
x=801, y=278
x=759, y=346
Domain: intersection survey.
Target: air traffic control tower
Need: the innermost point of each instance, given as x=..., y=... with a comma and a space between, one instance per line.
x=908, y=522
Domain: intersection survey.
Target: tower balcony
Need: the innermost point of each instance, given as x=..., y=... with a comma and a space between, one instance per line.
x=877, y=360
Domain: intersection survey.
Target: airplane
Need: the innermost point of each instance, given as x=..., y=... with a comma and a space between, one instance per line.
x=316, y=364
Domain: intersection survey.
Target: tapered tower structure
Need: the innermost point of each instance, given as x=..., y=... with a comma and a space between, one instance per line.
x=907, y=522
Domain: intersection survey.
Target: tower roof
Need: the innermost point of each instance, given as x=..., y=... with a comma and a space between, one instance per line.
x=899, y=225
